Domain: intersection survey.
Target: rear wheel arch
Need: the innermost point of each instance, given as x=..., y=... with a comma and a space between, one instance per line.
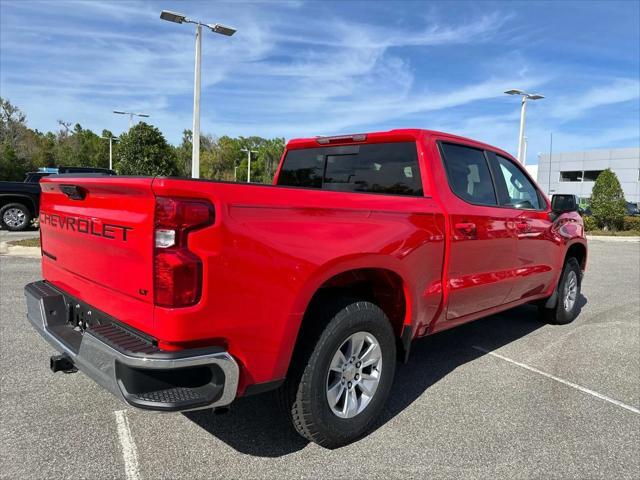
x=380, y=286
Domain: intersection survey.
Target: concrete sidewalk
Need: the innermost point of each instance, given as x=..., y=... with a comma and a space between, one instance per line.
x=611, y=238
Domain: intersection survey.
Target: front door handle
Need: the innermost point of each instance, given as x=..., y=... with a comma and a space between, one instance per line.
x=466, y=228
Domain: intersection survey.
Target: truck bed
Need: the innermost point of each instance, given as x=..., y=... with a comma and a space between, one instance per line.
x=272, y=245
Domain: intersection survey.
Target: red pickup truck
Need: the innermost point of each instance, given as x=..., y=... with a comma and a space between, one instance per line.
x=179, y=294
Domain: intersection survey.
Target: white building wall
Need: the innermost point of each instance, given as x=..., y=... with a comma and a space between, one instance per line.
x=533, y=170
x=625, y=163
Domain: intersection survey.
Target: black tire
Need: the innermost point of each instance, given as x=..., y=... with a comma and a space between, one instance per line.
x=560, y=314
x=304, y=394
x=24, y=219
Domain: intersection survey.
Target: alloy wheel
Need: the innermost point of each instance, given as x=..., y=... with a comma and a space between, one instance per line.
x=14, y=218
x=354, y=375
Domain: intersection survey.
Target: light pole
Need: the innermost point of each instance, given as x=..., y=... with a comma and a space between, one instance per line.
x=525, y=96
x=249, y=152
x=131, y=115
x=550, y=158
x=216, y=28
x=111, y=140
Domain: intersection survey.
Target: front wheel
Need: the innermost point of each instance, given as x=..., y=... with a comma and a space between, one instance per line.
x=566, y=308
x=345, y=383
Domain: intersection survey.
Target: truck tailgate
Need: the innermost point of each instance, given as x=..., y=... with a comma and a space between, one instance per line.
x=97, y=242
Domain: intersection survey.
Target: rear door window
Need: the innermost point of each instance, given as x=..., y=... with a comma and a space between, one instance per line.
x=389, y=168
x=468, y=173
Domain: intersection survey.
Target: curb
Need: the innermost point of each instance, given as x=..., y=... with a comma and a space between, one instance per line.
x=605, y=238
x=18, y=251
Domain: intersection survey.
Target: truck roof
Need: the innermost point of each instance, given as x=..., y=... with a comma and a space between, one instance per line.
x=396, y=135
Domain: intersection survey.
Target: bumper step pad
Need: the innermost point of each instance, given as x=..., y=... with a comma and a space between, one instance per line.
x=171, y=395
x=122, y=339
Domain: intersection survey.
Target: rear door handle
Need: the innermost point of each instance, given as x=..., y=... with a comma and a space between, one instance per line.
x=467, y=228
x=523, y=226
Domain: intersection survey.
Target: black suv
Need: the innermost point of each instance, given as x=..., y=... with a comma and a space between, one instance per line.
x=20, y=201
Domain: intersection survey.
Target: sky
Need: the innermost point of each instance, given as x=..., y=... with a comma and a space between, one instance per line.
x=307, y=68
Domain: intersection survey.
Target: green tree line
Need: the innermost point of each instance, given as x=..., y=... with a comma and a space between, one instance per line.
x=142, y=150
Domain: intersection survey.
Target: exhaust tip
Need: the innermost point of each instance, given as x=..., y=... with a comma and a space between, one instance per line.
x=61, y=363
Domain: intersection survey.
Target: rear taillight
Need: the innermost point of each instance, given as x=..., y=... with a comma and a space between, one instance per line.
x=177, y=270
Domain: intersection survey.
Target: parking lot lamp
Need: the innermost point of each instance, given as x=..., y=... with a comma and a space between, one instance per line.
x=523, y=111
x=215, y=28
x=131, y=115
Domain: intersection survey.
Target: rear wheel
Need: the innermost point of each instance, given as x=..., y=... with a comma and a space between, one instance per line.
x=15, y=217
x=566, y=308
x=340, y=391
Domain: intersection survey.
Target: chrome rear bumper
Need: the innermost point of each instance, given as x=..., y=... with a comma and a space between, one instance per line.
x=128, y=365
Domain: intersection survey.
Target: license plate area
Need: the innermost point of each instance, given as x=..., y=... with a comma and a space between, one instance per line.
x=81, y=316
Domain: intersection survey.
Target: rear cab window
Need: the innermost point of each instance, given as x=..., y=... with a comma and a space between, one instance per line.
x=384, y=168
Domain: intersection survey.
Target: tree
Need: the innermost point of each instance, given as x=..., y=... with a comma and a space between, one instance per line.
x=12, y=123
x=9, y=167
x=45, y=152
x=264, y=160
x=220, y=158
x=15, y=149
x=183, y=154
x=607, y=201
x=269, y=154
x=143, y=150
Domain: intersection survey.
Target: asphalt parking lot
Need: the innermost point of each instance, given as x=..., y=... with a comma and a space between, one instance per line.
x=546, y=402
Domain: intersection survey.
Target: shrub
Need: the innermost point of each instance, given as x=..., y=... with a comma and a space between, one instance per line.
x=607, y=201
x=144, y=151
x=631, y=223
x=590, y=223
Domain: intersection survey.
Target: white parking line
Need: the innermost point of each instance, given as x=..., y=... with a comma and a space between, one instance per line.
x=129, y=451
x=565, y=382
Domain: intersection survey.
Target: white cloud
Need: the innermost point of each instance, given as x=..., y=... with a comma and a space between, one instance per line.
x=342, y=72
x=577, y=104
x=285, y=72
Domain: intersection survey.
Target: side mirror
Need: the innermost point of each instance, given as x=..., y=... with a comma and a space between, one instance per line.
x=564, y=203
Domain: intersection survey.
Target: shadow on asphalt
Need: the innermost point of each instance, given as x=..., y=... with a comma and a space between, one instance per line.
x=256, y=426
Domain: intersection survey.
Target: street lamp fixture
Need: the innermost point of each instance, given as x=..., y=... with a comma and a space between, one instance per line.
x=216, y=28
x=221, y=29
x=172, y=16
x=521, y=138
x=131, y=115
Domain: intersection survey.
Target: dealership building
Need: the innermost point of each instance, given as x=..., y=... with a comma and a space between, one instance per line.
x=576, y=172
